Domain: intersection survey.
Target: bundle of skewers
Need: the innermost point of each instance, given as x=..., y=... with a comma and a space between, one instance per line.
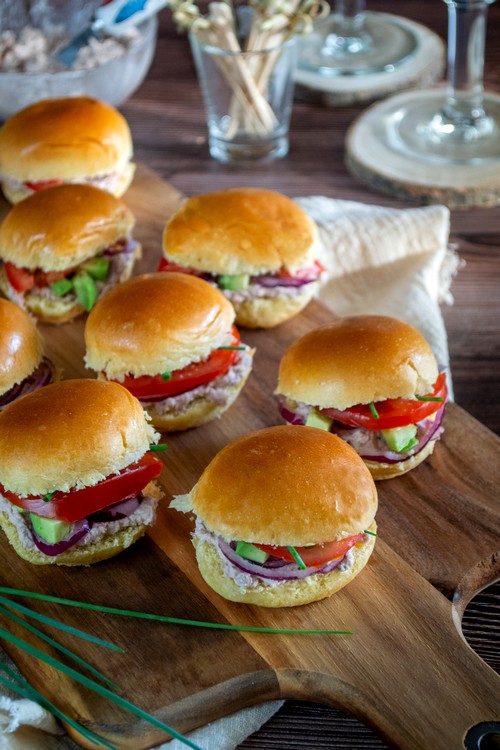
x=267, y=26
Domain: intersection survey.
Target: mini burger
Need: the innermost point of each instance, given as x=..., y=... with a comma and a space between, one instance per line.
x=284, y=516
x=259, y=247
x=62, y=248
x=374, y=382
x=76, y=473
x=169, y=338
x=23, y=367
x=68, y=140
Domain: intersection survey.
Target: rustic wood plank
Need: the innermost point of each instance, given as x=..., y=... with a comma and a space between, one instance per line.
x=435, y=523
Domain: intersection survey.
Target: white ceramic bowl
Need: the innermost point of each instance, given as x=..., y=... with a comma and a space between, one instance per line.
x=112, y=82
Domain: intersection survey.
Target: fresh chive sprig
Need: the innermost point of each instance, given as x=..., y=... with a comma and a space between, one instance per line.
x=373, y=410
x=165, y=618
x=300, y=562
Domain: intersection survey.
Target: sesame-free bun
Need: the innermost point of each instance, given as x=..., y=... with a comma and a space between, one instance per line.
x=156, y=323
x=267, y=312
x=68, y=138
x=287, y=594
x=286, y=485
x=241, y=230
x=62, y=226
x=70, y=434
x=357, y=360
x=21, y=345
x=380, y=470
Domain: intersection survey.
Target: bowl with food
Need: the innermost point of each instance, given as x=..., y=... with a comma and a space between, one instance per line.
x=106, y=68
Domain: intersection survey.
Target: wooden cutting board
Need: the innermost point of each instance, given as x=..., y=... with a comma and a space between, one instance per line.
x=406, y=670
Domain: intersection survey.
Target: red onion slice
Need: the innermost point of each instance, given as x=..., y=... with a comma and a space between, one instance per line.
x=40, y=377
x=78, y=531
x=122, y=509
x=289, y=416
x=287, y=572
x=273, y=281
x=125, y=245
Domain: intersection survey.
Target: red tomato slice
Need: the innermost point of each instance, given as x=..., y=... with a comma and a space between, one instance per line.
x=76, y=504
x=198, y=373
x=395, y=412
x=311, y=272
x=170, y=266
x=44, y=278
x=19, y=278
x=36, y=186
x=316, y=556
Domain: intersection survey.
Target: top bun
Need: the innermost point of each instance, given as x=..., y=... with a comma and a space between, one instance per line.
x=21, y=346
x=285, y=486
x=357, y=360
x=62, y=226
x=156, y=323
x=70, y=434
x=69, y=138
x=242, y=230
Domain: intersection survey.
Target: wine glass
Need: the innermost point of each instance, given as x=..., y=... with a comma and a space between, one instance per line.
x=442, y=144
x=352, y=41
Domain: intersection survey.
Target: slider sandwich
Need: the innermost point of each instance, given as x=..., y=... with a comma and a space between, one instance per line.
x=76, y=473
x=169, y=339
x=64, y=247
x=67, y=140
x=23, y=366
x=257, y=246
x=374, y=382
x=284, y=516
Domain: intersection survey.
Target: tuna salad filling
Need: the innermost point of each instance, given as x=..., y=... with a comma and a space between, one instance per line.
x=274, y=571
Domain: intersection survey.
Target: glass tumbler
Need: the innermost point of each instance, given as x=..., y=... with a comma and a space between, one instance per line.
x=248, y=97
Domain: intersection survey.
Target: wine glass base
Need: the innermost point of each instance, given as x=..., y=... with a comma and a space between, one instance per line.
x=399, y=147
x=419, y=71
x=384, y=43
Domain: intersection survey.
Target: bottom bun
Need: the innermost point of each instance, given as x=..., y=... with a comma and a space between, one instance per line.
x=389, y=471
x=83, y=555
x=286, y=593
x=266, y=312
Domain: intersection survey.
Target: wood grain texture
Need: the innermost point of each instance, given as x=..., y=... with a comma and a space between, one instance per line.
x=405, y=665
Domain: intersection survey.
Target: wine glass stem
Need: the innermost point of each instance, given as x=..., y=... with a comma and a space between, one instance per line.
x=466, y=40
x=350, y=16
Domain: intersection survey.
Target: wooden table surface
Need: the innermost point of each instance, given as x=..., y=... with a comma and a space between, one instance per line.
x=168, y=126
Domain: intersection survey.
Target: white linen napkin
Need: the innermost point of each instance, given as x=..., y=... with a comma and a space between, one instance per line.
x=379, y=261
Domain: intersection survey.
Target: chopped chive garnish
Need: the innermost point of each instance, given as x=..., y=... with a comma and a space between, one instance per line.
x=300, y=562
x=166, y=376
x=99, y=689
x=158, y=447
x=48, y=497
x=373, y=410
x=372, y=533
x=430, y=398
x=234, y=348
x=164, y=618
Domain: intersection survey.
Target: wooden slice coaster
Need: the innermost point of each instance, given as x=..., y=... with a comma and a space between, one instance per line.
x=422, y=68
x=372, y=159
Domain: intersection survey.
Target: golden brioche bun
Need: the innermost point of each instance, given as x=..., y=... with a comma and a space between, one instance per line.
x=70, y=434
x=241, y=230
x=62, y=226
x=380, y=470
x=21, y=345
x=356, y=360
x=67, y=138
x=286, y=485
x=266, y=312
x=287, y=594
x=156, y=323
